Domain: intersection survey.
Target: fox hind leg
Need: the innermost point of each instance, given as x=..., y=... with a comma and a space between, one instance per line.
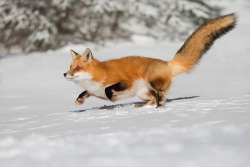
x=150, y=98
x=160, y=86
x=161, y=99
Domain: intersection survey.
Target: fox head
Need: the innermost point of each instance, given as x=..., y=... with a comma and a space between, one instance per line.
x=81, y=66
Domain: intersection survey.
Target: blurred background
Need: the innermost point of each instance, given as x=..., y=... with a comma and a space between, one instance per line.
x=40, y=25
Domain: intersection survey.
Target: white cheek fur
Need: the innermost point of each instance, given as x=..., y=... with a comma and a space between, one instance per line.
x=80, y=76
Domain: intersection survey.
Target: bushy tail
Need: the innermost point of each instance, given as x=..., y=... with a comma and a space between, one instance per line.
x=199, y=42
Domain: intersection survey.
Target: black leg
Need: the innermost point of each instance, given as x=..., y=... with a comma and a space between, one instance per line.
x=83, y=94
x=161, y=99
x=81, y=98
x=110, y=91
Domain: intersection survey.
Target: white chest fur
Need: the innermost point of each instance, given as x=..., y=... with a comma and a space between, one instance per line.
x=85, y=81
x=93, y=88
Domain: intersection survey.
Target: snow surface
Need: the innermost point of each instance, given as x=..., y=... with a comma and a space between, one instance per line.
x=206, y=121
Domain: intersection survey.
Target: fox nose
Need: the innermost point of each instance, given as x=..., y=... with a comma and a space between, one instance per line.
x=64, y=74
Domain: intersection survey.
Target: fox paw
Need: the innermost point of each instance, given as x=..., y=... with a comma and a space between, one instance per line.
x=114, y=98
x=161, y=104
x=111, y=95
x=79, y=101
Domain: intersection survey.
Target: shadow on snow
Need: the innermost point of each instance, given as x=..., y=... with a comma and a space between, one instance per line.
x=111, y=107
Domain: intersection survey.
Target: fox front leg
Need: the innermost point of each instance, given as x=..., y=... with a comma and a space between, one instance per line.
x=118, y=87
x=81, y=98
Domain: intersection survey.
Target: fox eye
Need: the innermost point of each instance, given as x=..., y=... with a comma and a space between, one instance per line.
x=77, y=68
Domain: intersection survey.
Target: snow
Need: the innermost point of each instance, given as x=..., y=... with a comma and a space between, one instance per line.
x=206, y=121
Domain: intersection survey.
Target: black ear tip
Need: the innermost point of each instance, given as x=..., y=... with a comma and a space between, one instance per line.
x=88, y=50
x=73, y=52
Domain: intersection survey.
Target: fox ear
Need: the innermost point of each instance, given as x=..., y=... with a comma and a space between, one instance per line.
x=87, y=55
x=73, y=54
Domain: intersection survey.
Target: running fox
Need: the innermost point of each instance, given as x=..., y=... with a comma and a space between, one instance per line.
x=147, y=78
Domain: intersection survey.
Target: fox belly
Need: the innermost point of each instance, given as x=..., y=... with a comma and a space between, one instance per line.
x=140, y=89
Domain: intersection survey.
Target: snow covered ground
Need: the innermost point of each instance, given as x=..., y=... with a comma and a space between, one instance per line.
x=206, y=121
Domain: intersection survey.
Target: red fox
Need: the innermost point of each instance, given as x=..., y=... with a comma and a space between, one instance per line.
x=147, y=78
